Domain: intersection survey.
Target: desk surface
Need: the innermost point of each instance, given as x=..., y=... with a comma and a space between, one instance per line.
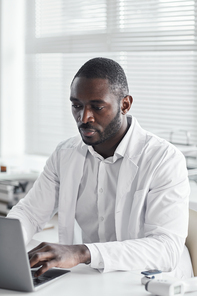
x=84, y=281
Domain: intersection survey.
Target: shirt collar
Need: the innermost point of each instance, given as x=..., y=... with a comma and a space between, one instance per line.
x=121, y=149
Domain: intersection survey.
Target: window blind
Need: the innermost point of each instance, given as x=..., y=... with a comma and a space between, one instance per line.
x=154, y=41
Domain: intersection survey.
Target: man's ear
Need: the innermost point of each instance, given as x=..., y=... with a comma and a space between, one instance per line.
x=126, y=103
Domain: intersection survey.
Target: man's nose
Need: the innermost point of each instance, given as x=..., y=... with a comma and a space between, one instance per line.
x=86, y=115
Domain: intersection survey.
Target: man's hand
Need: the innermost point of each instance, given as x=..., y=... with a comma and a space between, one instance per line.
x=48, y=255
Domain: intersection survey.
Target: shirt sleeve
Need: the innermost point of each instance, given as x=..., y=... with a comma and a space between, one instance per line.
x=96, y=258
x=40, y=203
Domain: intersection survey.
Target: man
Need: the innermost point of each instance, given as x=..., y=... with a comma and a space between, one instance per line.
x=127, y=188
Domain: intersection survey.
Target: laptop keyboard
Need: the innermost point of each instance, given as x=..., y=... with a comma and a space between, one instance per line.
x=41, y=279
x=47, y=276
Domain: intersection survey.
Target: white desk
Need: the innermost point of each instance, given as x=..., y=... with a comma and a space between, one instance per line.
x=84, y=281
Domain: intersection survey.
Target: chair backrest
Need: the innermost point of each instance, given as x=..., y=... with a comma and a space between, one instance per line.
x=191, y=241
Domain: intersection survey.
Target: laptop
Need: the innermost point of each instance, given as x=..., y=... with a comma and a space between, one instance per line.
x=15, y=271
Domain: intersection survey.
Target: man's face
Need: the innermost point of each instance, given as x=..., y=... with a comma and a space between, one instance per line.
x=95, y=109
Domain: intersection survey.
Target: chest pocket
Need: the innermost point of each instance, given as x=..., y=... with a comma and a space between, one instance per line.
x=137, y=215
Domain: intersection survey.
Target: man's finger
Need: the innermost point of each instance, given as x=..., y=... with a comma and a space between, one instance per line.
x=37, y=247
x=37, y=258
x=45, y=266
x=40, y=247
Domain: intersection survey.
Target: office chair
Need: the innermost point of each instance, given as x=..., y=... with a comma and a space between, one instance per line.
x=191, y=241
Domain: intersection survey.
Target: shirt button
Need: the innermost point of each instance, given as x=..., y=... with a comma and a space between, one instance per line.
x=102, y=218
x=101, y=190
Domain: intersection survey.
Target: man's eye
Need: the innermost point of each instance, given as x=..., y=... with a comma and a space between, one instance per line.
x=76, y=106
x=98, y=108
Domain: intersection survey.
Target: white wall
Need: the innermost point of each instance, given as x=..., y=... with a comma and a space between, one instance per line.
x=12, y=77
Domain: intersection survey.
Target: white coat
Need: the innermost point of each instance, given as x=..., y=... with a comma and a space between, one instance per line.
x=151, y=212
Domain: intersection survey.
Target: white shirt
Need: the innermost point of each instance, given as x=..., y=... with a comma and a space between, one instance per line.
x=95, y=211
x=96, y=201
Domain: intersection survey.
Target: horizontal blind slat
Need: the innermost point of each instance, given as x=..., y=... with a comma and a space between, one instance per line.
x=154, y=41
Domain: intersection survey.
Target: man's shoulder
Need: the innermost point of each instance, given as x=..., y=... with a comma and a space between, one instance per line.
x=148, y=142
x=161, y=145
x=65, y=150
x=70, y=143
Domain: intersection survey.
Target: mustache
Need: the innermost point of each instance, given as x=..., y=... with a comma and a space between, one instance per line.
x=86, y=126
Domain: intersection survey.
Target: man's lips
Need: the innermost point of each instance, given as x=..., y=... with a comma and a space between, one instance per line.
x=87, y=132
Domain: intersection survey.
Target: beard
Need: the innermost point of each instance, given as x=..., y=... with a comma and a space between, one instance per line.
x=110, y=131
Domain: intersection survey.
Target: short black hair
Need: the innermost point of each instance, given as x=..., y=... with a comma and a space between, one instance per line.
x=106, y=69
